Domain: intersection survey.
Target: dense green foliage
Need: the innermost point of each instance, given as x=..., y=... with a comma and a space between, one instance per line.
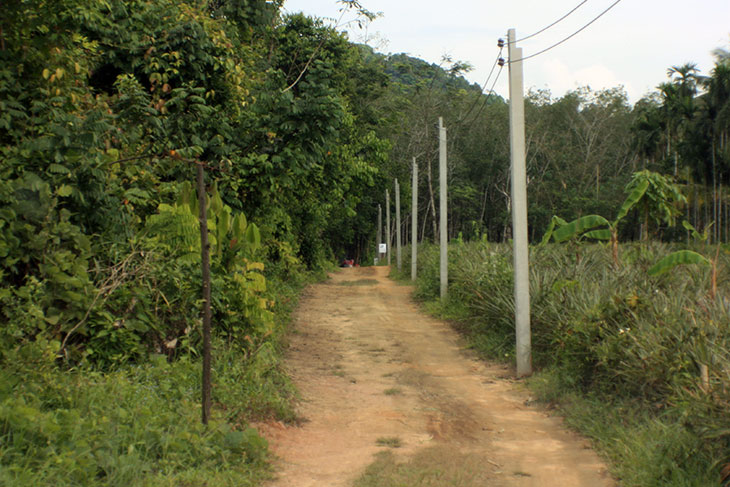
x=622, y=351
x=107, y=107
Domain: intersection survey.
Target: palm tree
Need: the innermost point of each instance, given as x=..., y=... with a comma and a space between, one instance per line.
x=647, y=129
x=716, y=112
x=679, y=97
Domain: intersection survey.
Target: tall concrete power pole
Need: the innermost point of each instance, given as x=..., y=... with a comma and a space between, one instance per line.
x=379, y=236
x=519, y=208
x=397, y=226
x=414, y=221
x=443, y=223
x=387, y=225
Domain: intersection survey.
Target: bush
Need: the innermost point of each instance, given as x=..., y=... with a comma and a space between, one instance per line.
x=133, y=427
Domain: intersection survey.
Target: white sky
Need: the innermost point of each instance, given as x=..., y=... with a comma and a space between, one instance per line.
x=632, y=45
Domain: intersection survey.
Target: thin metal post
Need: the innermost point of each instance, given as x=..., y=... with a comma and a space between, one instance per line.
x=519, y=209
x=205, y=264
x=414, y=221
x=443, y=224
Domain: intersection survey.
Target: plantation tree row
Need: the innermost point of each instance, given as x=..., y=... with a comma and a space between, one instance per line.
x=582, y=150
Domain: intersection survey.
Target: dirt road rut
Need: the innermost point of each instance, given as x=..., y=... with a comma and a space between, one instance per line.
x=372, y=369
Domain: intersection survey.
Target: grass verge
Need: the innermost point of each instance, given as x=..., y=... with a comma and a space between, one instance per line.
x=139, y=425
x=617, y=352
x=432, y=467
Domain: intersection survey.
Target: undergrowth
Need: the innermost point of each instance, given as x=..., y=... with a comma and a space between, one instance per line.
x=139, y=425
x=136, y=426
x=617, y=352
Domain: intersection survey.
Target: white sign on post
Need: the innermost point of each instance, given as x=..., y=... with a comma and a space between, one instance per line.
x=383, y=248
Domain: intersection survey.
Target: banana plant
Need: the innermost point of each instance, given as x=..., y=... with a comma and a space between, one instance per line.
x=700, y=237
x=661, y=199
x=595, y=226
x=687, y=257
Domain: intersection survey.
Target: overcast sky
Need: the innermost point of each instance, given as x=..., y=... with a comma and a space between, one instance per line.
x=631, y=45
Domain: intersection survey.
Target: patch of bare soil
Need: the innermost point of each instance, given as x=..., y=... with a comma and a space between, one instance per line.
x=376, y=373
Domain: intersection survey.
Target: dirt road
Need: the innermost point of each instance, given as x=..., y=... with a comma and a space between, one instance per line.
x=375, y=372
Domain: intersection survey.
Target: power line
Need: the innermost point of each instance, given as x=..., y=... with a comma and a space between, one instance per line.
x=569, y=37
x=483, y=87
x=489, y=93
x=554, y=23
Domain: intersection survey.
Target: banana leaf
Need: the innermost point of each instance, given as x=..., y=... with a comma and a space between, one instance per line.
x=577, y=227
x=632, y=199
x=677, y=258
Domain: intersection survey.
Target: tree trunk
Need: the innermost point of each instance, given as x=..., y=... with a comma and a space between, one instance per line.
x=715, y=217
x=433, y=205
x=425, y=222
x=205, y=263
x=706, y=209
x=695, y=207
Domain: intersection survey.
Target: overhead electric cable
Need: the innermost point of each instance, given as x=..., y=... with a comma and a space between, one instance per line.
x=486, y=82
x=554, y=23
x=569, y=37
x=489, y=93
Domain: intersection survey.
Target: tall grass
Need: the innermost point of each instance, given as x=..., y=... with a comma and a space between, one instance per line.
x=622, y=352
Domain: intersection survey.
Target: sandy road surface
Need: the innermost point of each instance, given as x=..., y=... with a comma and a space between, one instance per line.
x=370, y=365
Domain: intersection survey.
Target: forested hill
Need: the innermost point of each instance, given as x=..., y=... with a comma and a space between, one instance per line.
x=409, y=71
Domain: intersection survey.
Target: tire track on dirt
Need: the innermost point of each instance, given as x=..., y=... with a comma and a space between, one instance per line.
x=369, y=365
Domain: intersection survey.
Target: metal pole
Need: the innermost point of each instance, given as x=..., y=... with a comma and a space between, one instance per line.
x=397, y=226
x=443, y=224
x=519, y=209
x=205, y=263
x=387, y=224
x=414, y=221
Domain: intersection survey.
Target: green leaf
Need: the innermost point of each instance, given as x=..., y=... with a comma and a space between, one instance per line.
x=577, y=227
x=253, y=236
x=58, y=168
x=64, y=190
x=239, y=227
x=555, y=220
x=636, y=194
x=677, y=258
x=602, y=234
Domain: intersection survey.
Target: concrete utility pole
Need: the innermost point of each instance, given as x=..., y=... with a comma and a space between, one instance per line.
x=519, y=208
x=397, y=225
x=387, y=224
x=380, y=235
x=414, y=221
x=443, y=224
